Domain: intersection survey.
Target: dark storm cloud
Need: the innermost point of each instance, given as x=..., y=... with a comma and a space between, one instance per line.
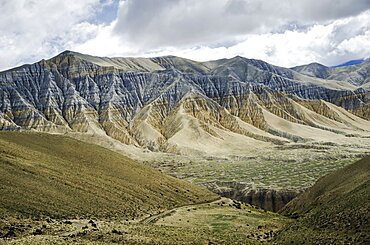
x=155, y=24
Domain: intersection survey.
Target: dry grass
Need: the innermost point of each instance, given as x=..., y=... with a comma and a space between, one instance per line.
x=56, y=176
x=334, y=211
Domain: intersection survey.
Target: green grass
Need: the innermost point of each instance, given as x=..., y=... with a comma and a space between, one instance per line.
x=56, y=176
x=224, y=223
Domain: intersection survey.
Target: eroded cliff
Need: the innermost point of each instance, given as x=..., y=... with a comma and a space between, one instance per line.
x=165, y=103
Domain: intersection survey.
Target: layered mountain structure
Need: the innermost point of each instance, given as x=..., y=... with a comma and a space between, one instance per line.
x=176, y=105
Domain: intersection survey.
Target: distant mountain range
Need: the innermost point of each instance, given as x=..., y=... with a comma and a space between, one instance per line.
x=165, y=103
x=352, y=62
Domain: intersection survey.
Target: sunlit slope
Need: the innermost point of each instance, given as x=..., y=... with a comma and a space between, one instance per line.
x=57, y=176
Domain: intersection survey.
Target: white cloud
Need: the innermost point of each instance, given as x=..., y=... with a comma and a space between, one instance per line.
x=187, y=23
x=36, y=29
x=284, y=33
x=329, y=44
x=104, y=42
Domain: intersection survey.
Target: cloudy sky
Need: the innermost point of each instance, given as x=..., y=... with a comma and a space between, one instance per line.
x=282, y=32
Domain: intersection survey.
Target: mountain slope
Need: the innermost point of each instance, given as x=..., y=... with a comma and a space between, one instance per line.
x=50, y=175
x=149, y=102
x=335, y=209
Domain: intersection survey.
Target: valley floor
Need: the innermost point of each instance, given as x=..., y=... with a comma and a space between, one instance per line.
x=281, y=171
x=294, y=166
x=219, y=222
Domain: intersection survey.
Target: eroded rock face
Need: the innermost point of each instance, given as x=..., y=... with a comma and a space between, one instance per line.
x=155, y=102
x=267, y=199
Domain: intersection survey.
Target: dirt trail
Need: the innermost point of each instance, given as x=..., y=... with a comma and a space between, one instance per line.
x=154, y=218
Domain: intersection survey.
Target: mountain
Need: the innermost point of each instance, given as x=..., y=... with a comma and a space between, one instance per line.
x=242, y=127
x=351, y=62
x=314, y=70
x=44, y=175
x=334, y=210
x=164, y=103
x=357, y=73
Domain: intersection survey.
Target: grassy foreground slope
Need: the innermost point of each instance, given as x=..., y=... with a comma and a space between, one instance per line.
x=334, y=210
x=58, y=190
x=60, y=177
